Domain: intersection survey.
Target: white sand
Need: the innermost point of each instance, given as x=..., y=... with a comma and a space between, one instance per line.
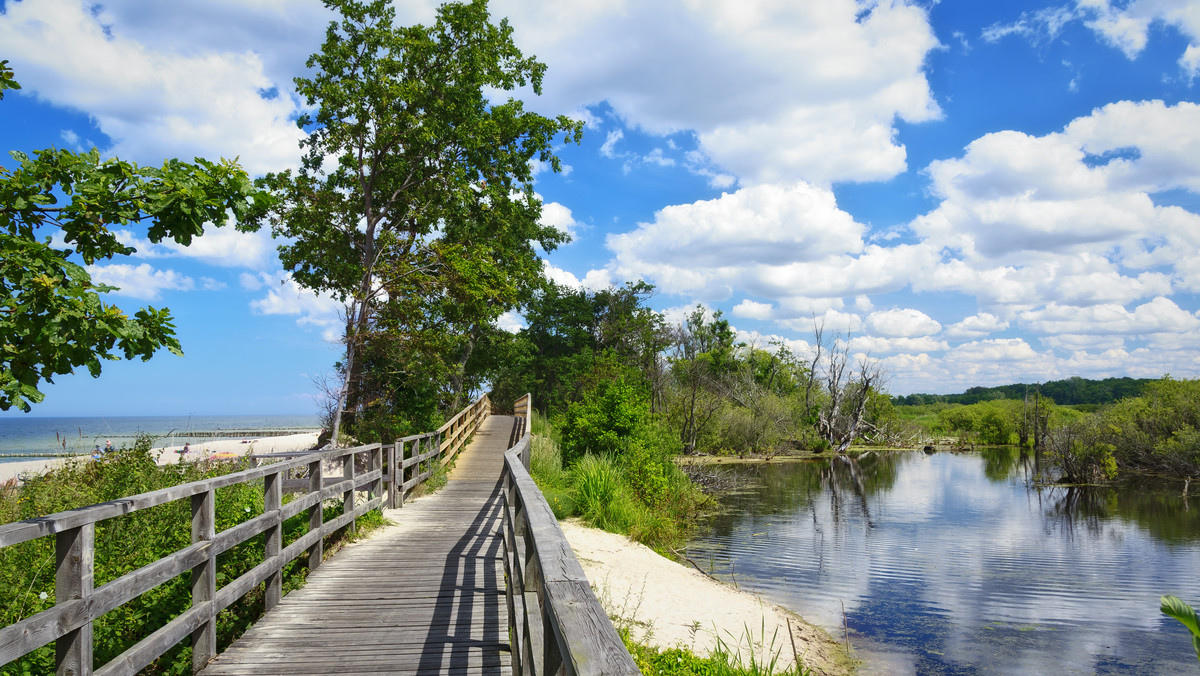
x=667, y=604
x=169, y=454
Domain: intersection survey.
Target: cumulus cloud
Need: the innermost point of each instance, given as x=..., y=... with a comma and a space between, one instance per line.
x=774, y=92
x=902, y=323
x=143, y=281
x=1069, y=216
x=593, y=280
x=976, y=326
x=559, y=217
x=183, y=92
x=729, y=239
x=1127, y=26
x=749, y=309
x=1160, y=315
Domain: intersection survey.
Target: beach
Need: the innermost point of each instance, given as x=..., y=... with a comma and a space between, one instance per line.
x=167, y=455
x=667, y=605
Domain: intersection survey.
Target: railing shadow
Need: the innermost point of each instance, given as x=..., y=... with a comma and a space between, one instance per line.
x=470, y=567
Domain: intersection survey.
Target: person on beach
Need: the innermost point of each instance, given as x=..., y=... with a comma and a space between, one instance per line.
x=187, y=448
x=108, y=446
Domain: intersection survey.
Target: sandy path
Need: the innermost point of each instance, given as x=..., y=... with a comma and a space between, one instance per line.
x=667, y=604
x=169, y=454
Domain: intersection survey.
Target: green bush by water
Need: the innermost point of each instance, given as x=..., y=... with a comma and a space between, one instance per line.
x=637, y=491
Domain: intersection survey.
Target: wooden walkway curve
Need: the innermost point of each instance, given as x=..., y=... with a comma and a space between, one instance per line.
x=425, y=596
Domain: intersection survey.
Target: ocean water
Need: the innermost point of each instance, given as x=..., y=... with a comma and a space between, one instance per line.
x=32, y=435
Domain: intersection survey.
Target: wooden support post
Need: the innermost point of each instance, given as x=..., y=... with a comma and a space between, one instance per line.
x=348, y=496
x=401, y=473
x=272, y=501
x=390, y=459
x=204, y=578
x=316, y=515
x=376, y=462
x=74, y=579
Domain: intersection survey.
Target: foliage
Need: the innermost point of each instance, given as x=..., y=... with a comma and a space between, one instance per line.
x=640, y=492
x=425, y=221
x=1073, y=391
x=576, y=338
x=126, y=543
x=725, y=660
x=1173, y=606
x=1158, y=431
x=606, y=421
x=52, y=318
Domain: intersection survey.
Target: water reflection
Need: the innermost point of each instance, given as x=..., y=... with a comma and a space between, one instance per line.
x=958, y=563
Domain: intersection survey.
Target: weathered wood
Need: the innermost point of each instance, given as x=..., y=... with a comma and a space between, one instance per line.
x=315, y=515
x=204, y=578
x=577, y=636
x=423, y=597
x=74, y=578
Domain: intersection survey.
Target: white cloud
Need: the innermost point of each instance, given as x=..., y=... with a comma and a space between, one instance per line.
x=1160, y=315
x=876, y=345
x=224, y=247
x=1127, y=27
x=902, y=323
x=510, y=321
x=140, y=281
x=753, y=233
x=286, y=297
x=1069, y=217
x=559, y=217
x=610, y=143
x=976, y=326
x=163, y=86
x=748, y=309
x=774, y=91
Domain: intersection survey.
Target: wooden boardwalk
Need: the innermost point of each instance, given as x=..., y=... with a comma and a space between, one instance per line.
x=425, y=596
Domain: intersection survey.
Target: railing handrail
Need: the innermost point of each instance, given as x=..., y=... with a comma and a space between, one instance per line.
x=555, y=618
x=78, y=603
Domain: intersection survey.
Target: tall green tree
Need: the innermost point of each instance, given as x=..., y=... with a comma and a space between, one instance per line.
x=52, y=317
x=406, y=145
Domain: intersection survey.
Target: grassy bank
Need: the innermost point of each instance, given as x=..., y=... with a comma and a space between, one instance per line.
x=126, y=543
x=640, y=492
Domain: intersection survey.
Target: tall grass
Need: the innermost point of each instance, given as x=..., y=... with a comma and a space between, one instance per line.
x=640, y=493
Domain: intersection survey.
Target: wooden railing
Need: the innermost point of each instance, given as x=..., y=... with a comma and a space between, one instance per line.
x=556, y=623
x=388, y=475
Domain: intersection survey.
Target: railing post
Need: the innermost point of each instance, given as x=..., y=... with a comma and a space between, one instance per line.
x=316, y=513
x=348, y=496
x=74, y=551
x=204, y=578
x=272, y=502
x=393, y=465
x=375, y=463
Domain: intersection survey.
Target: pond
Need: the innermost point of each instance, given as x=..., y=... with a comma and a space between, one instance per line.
x=959, y=564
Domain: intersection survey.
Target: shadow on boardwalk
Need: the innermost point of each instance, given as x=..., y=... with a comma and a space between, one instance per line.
x=423, y=596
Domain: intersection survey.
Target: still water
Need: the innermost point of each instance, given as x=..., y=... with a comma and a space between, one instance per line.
x=958, y=564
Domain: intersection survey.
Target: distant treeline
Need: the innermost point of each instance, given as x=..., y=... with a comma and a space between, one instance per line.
x=1070, y=392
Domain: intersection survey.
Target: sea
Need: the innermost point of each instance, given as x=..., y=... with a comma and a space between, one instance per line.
x=24, y=438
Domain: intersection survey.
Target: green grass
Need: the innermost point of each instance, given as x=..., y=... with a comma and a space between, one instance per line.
x=727, y=659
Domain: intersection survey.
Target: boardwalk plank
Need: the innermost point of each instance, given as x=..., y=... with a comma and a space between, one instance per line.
x=425, y=596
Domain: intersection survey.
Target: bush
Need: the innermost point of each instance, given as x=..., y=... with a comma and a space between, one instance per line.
x=605, y=420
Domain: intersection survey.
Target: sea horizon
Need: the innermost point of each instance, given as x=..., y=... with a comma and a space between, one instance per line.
x=22, y=436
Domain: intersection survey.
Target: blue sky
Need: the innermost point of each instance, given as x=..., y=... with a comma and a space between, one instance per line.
x=979, y=192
